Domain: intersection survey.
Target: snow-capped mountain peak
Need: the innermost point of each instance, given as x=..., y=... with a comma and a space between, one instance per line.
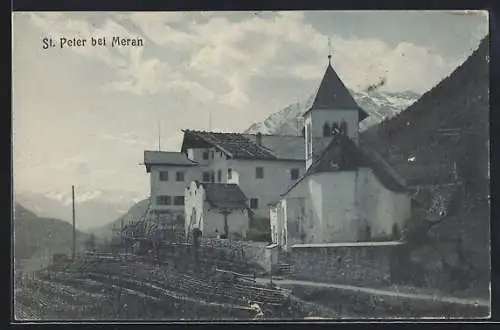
x=378, y=104
x=94, y=207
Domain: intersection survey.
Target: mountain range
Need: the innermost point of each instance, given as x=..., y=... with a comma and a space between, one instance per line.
x=93, y=207
x=379, y=104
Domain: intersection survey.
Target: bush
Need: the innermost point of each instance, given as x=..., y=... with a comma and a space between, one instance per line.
x=259, y=236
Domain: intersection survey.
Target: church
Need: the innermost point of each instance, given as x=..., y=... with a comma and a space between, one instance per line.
x=347, y=194
x=321, y=187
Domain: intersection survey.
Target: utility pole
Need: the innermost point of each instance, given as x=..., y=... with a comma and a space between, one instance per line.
x=159, y=135
x=74, y=224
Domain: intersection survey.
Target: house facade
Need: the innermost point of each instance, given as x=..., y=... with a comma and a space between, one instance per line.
x=262, y=166
x=169, y=173
x=218, y=210
x=346, y=194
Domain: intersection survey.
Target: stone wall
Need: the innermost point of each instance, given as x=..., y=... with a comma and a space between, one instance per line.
x=357, y=264
x=255, y=252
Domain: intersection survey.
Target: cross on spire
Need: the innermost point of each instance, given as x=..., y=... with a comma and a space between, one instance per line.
x=329, y=51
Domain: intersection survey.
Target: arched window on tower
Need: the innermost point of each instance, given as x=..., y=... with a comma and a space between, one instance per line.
x=326, y=130
x=335, y=129
x=343, y=127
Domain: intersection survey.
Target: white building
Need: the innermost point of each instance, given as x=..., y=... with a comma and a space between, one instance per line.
x=170, y=173
x=218, y=210
x=261, y=166
x=346, y=194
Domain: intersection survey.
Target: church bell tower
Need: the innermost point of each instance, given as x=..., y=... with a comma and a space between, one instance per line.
x=333, y=111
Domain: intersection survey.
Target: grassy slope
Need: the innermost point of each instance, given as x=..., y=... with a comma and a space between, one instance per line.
x=36, y=239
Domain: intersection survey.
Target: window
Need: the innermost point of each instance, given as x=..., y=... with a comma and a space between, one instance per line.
x=294, y=173
x=179, y=219
x=206, y=176
x=396, y=234
x=254, y=203
x=259, y=172
x=163, y=200
x=163, y=175
x=205, y=155
x=229, y=173
x=212, y=176
x=343, y=128
x=335, y=128
x=219, y=176
x=326, y=130
x=179, y=176
x=368, y=233
x=179, y=200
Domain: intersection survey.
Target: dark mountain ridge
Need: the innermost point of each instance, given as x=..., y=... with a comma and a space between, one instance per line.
x=36, y=239
x=440, y=146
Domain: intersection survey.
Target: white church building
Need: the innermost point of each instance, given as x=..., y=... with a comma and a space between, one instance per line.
x=346, y=194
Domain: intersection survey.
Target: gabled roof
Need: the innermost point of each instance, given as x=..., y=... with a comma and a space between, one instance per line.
x=285, y=147
x=225, y=195
x=246, y=146
x=166, y=158
x=333, y=95
x=342, y=154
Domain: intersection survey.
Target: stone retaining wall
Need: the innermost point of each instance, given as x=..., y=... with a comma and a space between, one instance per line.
x=366, y=265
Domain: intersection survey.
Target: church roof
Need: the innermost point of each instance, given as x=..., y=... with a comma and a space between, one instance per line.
x=247, y=146
x=333, y=95
x=225, y=195
x=342, y=154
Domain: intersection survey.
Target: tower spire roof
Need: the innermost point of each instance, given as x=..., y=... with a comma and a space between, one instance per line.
x=332, y=94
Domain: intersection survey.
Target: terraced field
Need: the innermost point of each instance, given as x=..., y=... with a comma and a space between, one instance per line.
x=111, y=289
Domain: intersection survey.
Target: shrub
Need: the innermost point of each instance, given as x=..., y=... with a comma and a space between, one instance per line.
x=258, y=235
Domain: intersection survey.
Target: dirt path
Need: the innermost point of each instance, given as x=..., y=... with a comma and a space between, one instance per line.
x=453, y=300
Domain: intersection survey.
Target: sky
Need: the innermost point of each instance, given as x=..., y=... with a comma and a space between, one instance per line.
x=85, y=115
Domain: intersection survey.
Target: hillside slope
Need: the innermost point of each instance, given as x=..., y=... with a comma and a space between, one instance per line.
x=36, y=239
x=440, y=145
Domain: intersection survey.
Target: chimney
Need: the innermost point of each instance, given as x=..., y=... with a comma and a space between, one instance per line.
x=258, y=136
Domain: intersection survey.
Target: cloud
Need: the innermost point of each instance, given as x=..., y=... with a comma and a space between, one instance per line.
x=235, y=52
x=73, y=163
x=157, y=29
x=126, y=138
